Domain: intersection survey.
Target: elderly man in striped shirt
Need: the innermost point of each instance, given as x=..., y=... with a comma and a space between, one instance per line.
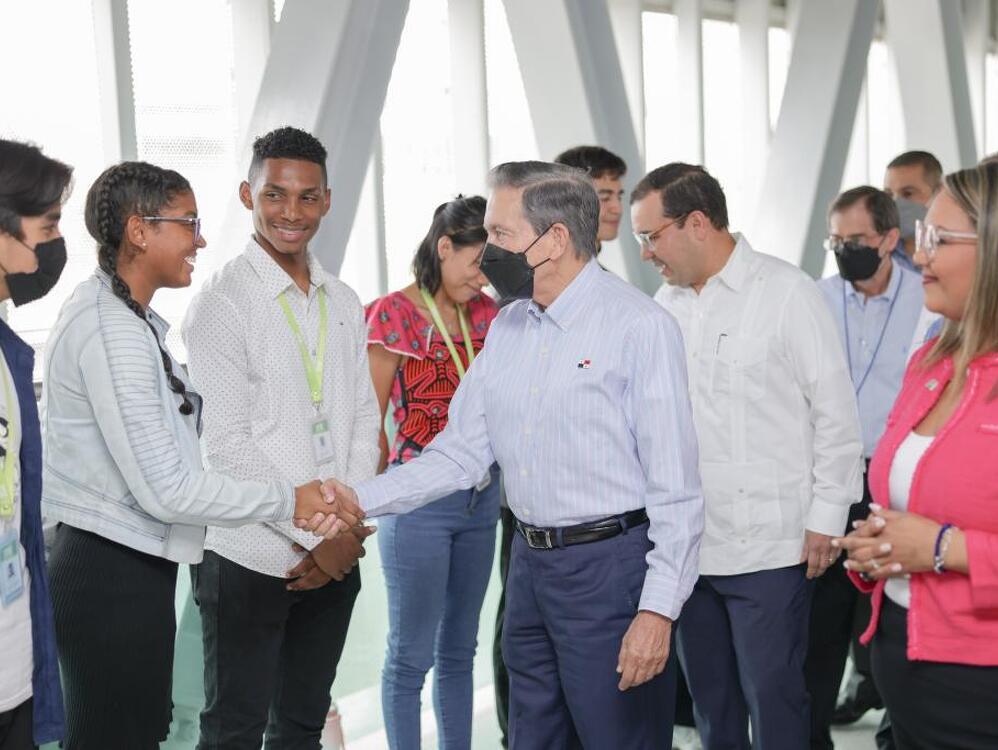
x=580, y=394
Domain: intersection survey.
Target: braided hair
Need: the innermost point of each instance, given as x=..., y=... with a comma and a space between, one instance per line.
x=132, y=188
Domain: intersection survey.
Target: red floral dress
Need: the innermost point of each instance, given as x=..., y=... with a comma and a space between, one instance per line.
x=427, y=377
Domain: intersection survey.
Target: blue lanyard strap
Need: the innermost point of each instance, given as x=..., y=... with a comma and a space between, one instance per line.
x=880, y=338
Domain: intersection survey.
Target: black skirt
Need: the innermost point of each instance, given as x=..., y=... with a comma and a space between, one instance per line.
x=933, y=705
x=115, y=626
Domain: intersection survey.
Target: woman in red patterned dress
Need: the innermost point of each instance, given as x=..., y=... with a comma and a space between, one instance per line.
x=437, y=560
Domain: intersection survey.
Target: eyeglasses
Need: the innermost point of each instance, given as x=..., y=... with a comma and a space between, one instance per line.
x=193, y=221
x=928, y=238
x=646, y=239
x=834, y=244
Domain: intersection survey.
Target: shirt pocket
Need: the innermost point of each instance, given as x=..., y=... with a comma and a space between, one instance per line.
x=742, y=501
x=740, y=366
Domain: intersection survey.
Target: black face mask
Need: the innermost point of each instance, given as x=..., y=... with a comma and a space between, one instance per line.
x=857, y=262
x=27, y=287
x=510, y=273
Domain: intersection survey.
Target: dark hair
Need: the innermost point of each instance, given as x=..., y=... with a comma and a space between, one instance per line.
x=554, y=194
x=287, y=143
x=881, y=207
x=685, y=188
x=930, y=165
x=595, y=161
x=462, y=220
x=30, y=184
x=132, y=188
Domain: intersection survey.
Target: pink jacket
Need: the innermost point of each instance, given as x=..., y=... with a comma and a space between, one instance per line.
x=953, y=617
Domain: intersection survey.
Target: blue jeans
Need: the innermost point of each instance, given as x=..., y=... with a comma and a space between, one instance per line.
x=437, y=562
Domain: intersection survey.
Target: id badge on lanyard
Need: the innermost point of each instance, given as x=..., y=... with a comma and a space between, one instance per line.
x=320, y=434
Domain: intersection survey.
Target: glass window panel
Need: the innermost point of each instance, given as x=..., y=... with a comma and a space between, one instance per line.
x=185, y=119
x=417, y=127
x=722, y=97
x=663, y=136
x=56, y=107
x=511, y=131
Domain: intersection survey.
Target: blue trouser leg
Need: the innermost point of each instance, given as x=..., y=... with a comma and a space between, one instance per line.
x=711, y=668
x=457, y=635
x=436, y=563
x=762, y=619
x=567, y=612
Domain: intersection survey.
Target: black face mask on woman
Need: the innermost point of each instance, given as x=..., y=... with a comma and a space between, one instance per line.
x=28, y=287
x=857, y=262
x=510, y=273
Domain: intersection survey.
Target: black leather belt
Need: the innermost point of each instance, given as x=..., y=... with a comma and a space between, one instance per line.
x=583, y=533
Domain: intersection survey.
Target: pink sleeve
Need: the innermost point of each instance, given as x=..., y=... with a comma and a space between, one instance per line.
x=393, y=323
x=982, y=561
x=866, y=587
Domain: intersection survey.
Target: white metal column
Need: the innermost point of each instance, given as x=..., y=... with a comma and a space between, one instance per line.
x=808, y=150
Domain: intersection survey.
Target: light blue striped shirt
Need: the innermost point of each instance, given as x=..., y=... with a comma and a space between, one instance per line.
x=585, y=406
x=880, y=370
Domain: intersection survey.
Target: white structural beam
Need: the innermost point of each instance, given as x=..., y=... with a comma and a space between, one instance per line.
x=466, y=22
x=809, y=147
x=625, y=18
x=926, y=39
x=575, y=90
x=977, y=36
x=752, y=17
x=689, y=98
x=114, y=68
x=328, y=72
x=252, y=22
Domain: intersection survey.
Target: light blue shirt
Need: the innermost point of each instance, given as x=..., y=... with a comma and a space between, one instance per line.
x=883, y=368
x=585, y=406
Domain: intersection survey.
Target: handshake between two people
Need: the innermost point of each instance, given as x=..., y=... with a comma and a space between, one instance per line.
x=327, y=509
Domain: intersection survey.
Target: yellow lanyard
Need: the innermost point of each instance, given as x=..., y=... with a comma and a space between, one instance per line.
x=12, y=457
x=313, y=368
x=439, y=323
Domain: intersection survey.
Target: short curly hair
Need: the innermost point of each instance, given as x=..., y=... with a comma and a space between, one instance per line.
x=287, y=143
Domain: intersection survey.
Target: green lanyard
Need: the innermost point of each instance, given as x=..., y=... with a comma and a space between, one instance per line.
x=12, y=457
x=313, y=369
x=439, y=323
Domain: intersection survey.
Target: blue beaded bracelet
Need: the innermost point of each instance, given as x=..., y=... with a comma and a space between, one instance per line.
x=937, y=556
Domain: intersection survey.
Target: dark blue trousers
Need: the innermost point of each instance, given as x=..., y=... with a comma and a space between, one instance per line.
x=567, y=611
x=742, y=642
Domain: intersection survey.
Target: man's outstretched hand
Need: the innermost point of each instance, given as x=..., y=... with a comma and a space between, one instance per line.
x=327, y=509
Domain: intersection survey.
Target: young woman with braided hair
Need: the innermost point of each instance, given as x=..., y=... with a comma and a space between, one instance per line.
x=123, y=473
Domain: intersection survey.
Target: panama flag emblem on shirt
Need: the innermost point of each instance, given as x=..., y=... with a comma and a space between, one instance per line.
x=584, y=364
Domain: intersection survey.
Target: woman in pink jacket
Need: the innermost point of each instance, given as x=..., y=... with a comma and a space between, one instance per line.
x=929, y=550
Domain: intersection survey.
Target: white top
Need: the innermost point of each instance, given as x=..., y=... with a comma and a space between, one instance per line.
x=16, y=662
x=775, y=413
x=906, y=460
x=258, y=409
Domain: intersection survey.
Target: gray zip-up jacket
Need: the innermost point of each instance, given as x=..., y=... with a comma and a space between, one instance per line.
x=120, y=460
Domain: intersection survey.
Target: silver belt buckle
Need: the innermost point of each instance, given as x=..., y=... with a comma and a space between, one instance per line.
x=544, y=535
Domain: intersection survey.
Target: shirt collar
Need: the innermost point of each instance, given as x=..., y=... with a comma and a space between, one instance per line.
x=888, y=294
x=274, y=278
x=158, y=322
x=572, y=299
x=737, y=269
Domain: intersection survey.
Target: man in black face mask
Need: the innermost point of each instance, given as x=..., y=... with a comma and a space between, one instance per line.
x=876, y=303
x=32, y=255
x=580, y=394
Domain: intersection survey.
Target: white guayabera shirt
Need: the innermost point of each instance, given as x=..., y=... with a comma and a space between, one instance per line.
x=775, y=412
